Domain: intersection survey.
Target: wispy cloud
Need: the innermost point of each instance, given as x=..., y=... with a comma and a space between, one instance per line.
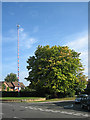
x=21, y=29
x=80, y=44
x=30, y=42
x=23, y=75
x=26, y=41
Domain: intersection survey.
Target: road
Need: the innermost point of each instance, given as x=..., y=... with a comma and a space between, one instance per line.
x=65, y=109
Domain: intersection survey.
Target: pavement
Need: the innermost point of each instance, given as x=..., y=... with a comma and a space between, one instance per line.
x=60, y=109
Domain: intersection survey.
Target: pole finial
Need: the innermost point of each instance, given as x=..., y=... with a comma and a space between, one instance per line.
x=18, y=25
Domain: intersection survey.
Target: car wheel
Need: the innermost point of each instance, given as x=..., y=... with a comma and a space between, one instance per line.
x=88, y=108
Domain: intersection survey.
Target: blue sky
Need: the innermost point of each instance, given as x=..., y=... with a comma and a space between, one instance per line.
x=64, y=23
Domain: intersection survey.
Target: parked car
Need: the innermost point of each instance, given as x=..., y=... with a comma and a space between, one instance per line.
x=83, y=95
x=78, y=100
x=85, y=102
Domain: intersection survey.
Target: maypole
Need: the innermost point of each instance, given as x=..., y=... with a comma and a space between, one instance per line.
x=18, y=56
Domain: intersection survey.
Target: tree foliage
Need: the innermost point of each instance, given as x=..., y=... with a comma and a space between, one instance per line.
x=11, y=77
x=3, y=87
x=56, y=70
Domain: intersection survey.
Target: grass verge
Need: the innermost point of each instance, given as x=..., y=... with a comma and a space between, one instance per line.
x=18, y=98
x=49, y=100
x=61, y=99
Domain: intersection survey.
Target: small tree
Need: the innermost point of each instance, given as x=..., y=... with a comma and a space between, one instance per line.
x=3, y=87
x=11, y=77
x=7, y=89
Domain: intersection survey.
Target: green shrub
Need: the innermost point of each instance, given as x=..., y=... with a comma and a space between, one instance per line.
x=7, y=88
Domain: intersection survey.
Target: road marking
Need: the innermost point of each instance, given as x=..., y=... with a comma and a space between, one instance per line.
x=58, y=111
x=19, y=118
x=40, y=109
x=26, y=107
x=69, y=106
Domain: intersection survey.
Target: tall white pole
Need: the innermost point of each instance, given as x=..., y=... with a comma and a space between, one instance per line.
x=18, y=55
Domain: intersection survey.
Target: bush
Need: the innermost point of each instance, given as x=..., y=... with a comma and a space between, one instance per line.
x=22, y=94
x=48, y=96
x=86, y=91
x=7, y=88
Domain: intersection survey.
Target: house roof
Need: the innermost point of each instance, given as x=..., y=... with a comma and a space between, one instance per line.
x=9, y=84
x=16, y=84
x=12, y=84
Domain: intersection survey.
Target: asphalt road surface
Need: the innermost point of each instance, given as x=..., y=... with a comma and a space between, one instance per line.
x=65, y=109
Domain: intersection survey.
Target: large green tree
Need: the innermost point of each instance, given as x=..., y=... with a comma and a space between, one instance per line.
x=11, y=77
x=56, y=70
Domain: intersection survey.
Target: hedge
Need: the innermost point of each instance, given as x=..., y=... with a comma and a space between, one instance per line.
x=21, y=94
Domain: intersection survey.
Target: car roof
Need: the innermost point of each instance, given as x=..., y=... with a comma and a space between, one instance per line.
x=83, y=95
